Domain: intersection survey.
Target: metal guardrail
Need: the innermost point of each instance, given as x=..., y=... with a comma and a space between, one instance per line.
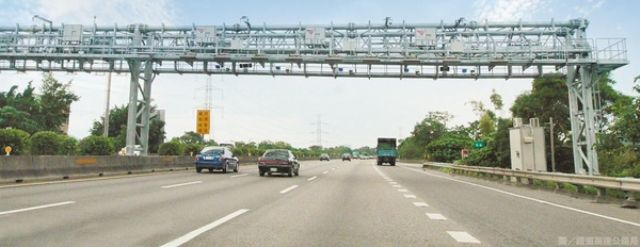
x=629, y=185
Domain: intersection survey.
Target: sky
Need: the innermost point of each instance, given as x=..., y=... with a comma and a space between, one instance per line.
x=353, y=112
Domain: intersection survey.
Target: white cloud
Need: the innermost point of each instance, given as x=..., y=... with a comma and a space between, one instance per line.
x=507, y=10
x=108, y=12
x=584, y=10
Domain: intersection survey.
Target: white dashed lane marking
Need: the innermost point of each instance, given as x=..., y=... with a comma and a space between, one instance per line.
x=420, y=204
x=182, y=184
x=37, y=207
x=409, y=196
x=290, y=188
x=186, y=238
x=436, y=216
x=463, y=237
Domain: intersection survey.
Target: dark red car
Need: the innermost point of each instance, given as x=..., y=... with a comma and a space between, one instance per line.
x=278, y=161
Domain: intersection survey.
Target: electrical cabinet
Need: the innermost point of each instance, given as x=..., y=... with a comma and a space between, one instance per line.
x=527, y=146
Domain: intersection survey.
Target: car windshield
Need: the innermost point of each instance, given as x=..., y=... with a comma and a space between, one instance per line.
x=276, y=154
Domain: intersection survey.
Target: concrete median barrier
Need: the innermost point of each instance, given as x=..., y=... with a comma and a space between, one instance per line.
x=30, y=167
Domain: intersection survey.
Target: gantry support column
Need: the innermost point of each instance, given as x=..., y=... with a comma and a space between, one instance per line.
x=139, y=109
x=581, y=81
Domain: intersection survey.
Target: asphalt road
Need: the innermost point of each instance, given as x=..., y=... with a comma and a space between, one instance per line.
x=330, y=204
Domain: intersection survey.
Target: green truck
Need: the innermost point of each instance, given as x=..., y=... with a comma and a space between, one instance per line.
x=386, y=151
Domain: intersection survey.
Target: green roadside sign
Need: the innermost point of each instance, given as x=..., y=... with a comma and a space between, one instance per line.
x=479, y=144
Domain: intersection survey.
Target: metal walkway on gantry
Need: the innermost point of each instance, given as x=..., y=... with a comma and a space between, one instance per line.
x=460, y=49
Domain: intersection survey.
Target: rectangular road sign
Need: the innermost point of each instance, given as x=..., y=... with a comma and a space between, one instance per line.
x=203, y=122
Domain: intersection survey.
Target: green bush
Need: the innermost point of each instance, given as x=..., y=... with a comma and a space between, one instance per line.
x=45, y=143
x=17, y=139
x=171, y=148
x=69, y=146
x=96, y=145
x=568, y=187
x=192, y=148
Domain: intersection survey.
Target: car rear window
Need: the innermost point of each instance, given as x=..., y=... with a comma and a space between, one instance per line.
x=213, y=152
x=277, y=154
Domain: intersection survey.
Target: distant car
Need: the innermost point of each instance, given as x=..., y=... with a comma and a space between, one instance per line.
x=216, y=158
x=280, y=161
x=346, y=156
x=324, y=157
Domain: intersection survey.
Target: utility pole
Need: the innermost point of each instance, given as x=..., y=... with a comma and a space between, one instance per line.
x=551, y=142
x=105, y=124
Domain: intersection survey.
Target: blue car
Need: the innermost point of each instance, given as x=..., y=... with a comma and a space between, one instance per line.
x=216, y=158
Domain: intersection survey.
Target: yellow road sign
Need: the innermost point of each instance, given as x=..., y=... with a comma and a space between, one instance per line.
x=7, y=150
x=203, y=122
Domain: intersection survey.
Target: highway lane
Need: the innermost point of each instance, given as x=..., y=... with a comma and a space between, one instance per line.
x=331, y=204
x=507, y=215
x=131, y=211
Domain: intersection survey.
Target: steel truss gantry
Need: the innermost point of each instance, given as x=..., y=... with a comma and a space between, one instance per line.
x=460, y=49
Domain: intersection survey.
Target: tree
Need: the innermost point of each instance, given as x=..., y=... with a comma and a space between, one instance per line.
x=96, y=145
x=46, y=143
x=69, y=145
x=171, y=148
x=191, y=137
x=18, y=109
x=17, y=139
x=55, y=103
x=496, y=100
x=14, y=118
x=409, y=149
x=486, y=124
x=447, y=147
x=118, y=128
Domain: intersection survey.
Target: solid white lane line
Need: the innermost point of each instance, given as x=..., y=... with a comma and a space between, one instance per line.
x=531, y=198
x=182, y=184
x=292, y=187
x=420, y=204
x=37, y=207
x=181, y=240
x=240, y=175
x=312, y=178
x=325, y=172
x=409, y=196
x=463, y=237
x=402, y=190
x=436, y=216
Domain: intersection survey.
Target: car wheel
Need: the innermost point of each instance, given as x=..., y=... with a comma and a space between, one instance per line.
x=235, y=169
x=290, y=172
x=225, y=167
x=297, y=172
